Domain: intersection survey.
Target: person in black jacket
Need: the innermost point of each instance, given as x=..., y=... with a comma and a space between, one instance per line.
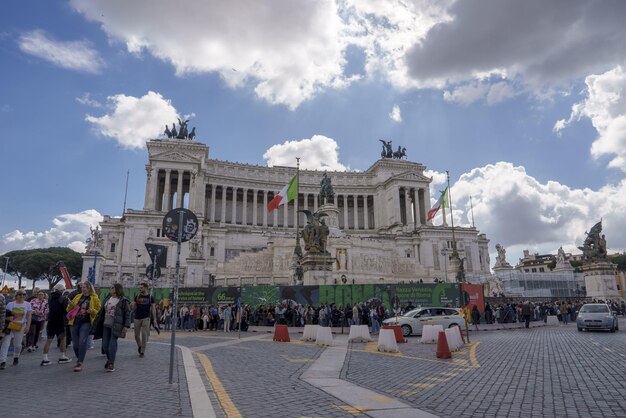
x=57, y=305
x=112, y=322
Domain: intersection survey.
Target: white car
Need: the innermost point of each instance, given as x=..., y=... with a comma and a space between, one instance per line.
x=413, y=321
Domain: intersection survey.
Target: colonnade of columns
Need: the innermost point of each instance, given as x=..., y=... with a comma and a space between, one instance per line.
x=169, y=189
x=412, y=206
x=248, y=206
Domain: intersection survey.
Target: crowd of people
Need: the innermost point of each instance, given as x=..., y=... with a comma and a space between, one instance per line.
x=73, y=318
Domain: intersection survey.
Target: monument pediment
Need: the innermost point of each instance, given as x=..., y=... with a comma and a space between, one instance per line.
x=412, y=176
x=175, y=156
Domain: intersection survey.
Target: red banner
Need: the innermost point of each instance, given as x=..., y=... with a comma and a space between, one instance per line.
x=66, y=275
x=473, y=293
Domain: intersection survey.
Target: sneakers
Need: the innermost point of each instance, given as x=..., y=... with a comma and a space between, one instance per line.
x=139, y=351
x=45, y=363
x=3, y=365
x=16, y=361
x=106, y=365
x=64, y=360
x=140, y=354
x=111, y=367
x=78, y=367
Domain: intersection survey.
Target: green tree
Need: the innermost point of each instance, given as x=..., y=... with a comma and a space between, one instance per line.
x=620, y=260
x=42, y=264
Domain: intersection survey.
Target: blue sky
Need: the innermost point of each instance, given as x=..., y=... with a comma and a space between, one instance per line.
x=523, y=102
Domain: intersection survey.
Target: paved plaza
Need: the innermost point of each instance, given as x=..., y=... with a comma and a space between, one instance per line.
x=549, y=371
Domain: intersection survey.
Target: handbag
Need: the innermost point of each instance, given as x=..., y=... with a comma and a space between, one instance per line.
x=15, y=326
x=72, y=314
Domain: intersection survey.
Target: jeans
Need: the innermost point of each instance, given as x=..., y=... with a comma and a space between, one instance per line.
x=80, y=334
x=109, y=343
x=375, y=326
x=16, y=336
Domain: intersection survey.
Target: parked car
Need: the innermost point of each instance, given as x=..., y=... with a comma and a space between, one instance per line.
x=413, y=321
x=597, y=316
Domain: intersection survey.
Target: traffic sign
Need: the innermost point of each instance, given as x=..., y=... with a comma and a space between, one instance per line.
x=5, y=290
x=189, y=224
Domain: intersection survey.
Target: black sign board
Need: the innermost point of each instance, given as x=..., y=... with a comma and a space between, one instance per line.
x=189, y=224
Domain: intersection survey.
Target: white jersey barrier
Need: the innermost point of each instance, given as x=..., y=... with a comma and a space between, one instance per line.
x=552, y=320
x=324, y=336
x=359, y=334
x=430, y=333
x=387, y=341
x=454, y=339
x=310, y=333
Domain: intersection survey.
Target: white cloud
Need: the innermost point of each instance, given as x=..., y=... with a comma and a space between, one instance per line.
x=287, y=49
x=68, y=230
x=86, y=100
x=317, y=153
x=516, y=210
x=134, y=120
x=73, y=55
x=466, y=94
x=395, y=114
x=605, y=106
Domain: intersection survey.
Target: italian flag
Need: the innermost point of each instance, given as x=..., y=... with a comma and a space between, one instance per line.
x=442, y=202
x=286, y=195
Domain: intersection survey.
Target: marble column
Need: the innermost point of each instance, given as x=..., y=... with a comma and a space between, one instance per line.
x=166, y=191
x=315, y=199
x=255, y=203
x=356, y=211
x=346, y=219
x=244, y=220
x=213, y=191
x=233, y=219
x=223, y=214
x=179, y=190
x=365, y=214
x=407, y=207
x=264, y=207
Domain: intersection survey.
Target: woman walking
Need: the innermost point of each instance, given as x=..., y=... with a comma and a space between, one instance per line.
x=18, y=313
x=82, y=311
x=112, y=323
x=40, y=313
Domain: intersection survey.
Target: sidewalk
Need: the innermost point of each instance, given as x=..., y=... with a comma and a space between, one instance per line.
x=138, y=387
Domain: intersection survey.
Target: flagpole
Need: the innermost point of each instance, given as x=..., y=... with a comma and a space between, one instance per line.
x=472, y=209
x=298, y=250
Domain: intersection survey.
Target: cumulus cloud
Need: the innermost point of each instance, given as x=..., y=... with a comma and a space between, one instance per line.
x=471, y=92
x=287, y=49
x=68, y=230
x=536, y=41
x=134, y=120
x=73, y=55
x=518, y=211
x=605, y=106
x=395, y=114
x=317, y=153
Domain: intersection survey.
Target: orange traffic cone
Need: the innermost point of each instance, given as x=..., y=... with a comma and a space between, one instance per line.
x=443, y=351
x=281, y=333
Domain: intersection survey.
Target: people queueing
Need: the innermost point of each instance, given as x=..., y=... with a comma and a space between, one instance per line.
x=143, y=306
x=57, y=308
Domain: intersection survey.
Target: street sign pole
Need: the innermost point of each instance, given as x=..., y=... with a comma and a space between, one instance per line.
x=175, y=309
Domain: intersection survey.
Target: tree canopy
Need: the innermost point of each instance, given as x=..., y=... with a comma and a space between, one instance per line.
x=42, y=264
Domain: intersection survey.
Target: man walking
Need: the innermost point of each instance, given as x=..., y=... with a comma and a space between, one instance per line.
x=527, y=311
x=56, y=324
x=143, y=306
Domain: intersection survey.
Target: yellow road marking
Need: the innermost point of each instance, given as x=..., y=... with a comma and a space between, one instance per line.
x=472, y=355
x=228, y=406
x=354, y=410
x=439, y=379
x=422, y=385
x=403, y=392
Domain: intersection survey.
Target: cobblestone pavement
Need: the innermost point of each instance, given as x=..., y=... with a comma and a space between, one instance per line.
x=138, y=387
x=553, y=371
x=550, y=371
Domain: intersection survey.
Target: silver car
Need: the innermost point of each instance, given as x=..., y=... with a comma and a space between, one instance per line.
x=413, y=321
x=596, y=316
